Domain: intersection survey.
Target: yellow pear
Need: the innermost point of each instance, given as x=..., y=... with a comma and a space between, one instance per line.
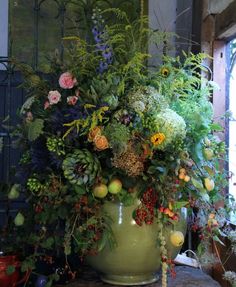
x=177, y=238
x=209, y=184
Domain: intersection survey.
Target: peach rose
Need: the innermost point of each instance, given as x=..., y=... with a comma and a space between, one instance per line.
x=101, y=142
x=72, y=100
x=54, y=97
x=29, y=117
x=67, y=81
x=96, y=131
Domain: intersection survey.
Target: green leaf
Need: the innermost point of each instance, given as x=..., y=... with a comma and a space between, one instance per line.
x=216, y=238
x=216, y=127
x=205, y=196
x=180, y=204
x=28, y=263
x=10, y=269
x=48, y=243
x=151, y=169
x=209, y=170
x=197, y=183
x=102, y=242
x=35, y=129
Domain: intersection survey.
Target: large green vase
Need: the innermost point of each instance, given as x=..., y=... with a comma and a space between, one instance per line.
x=136, y=258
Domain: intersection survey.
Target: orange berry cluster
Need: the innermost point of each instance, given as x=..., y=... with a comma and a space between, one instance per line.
x=183, y=175
x=167, y=211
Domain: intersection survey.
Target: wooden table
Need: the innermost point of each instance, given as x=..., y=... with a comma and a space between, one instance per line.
x=186, y=277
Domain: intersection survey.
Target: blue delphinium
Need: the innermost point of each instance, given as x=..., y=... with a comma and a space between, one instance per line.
x=100, y=38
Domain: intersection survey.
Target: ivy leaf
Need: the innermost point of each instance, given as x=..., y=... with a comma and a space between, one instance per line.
x=35, y=129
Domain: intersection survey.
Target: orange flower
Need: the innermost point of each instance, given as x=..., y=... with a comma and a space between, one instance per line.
x=101, y=142
x=96, y=131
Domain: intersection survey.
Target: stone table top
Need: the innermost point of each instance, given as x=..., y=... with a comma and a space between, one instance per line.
x=186, y=277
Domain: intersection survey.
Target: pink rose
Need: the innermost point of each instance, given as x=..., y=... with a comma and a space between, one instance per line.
x=46, y=105
x=72, y=100
x=67, y=81
x=54, y=97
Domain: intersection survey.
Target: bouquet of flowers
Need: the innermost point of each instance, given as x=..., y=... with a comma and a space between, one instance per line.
x=103, y=125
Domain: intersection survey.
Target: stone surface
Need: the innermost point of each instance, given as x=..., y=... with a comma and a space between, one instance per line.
x=186, y=277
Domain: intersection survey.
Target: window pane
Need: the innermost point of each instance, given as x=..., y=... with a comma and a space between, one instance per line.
x=37, y=27
x=232, y=121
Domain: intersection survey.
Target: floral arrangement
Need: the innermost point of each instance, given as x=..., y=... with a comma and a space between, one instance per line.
x=103, y=126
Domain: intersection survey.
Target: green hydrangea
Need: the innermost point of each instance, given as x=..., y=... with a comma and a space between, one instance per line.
x=197, y=113
x=170, y=124
x=145, y=99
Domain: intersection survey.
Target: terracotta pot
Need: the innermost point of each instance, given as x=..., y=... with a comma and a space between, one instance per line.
x=136, y=258
x=12, y=279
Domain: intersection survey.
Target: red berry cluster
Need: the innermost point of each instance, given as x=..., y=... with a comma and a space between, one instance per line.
x=145, y=213
x=171, y=264
x=172, y=215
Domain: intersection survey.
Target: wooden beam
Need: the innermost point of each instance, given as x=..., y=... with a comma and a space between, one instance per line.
x=226, y=23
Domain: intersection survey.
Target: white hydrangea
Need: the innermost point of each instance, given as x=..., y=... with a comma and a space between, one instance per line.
x=146, y=98
x=171, y=125
x=138, y=106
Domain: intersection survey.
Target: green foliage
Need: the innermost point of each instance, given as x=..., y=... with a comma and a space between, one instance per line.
x=83, y=125
x=35, y=129
x=118, y=136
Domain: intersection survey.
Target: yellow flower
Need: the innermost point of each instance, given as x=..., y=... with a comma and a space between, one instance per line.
x=165, y=71
x=157, y=139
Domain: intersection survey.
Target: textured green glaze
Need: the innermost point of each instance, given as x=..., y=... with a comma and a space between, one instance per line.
x=136, y=258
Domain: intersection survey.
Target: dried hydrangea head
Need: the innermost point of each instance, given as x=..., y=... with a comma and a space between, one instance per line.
x=129, y=161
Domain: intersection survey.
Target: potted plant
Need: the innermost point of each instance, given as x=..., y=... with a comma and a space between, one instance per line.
x=10, y=252
x=103, y=127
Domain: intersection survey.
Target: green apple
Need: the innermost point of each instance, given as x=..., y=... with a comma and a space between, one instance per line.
x=100, y=190
x=209, y=184
x=19, y=219
x=115, y=186
x=208, y=153
x=14, y=192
